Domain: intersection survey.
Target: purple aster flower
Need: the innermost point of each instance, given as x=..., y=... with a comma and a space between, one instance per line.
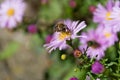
x=95, y=43
x=59, y=38
x=72, y=3
x=92, y=8
x=48, y=38
x=109, y=36
x=97, y=67
x=32, y=28
x=73, y=78
x=11, y=13
x=101, y=14
x=115, y=15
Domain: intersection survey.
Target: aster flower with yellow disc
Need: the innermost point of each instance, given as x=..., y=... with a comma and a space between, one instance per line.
x=109, y=36
x=11, y=13
x=102, y=14
x=116, y=17
x=65, y=30
x=94, y=46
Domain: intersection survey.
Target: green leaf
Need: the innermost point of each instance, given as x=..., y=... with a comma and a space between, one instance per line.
x=112, y=63
x=50, y=12
x=10, y=49
x=111, y=53
x=59, y=68
x=76, y=43
x=80, y=74
x=37, y=44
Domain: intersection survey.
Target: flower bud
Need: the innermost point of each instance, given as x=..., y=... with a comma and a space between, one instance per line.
x=97, y=67
x=76, y=69
x=77, y=53
x=92, y=8
x=48, y=38
x=32, y=28
x=63, y=56
x=73, y=78
x=72, y=3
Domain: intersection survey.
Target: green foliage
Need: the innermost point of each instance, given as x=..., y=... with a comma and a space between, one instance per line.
x=59, y=68
x=80, y=74
x=64, y=70
x=51, y=12
x=10, y=49
x=67, y=10
x=111, y=53
x=37, y=43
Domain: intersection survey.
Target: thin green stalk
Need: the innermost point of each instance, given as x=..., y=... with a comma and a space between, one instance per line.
x=91, y=77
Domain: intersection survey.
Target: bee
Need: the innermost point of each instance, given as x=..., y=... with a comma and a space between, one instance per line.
x=61, y=27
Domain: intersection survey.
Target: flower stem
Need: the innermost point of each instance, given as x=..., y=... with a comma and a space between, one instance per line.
x=91, y=77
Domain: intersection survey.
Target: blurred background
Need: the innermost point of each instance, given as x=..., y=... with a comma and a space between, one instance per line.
x=22, y=55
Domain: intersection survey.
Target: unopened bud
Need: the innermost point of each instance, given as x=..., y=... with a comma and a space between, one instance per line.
x=76, y=69
x=77, y=53
x=97, y=67
x=73, y=78
x=63, y=56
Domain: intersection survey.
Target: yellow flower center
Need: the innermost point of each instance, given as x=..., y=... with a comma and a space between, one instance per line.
x=10, y=12
x=64, y=35
x=107, y=35
x=108, y=16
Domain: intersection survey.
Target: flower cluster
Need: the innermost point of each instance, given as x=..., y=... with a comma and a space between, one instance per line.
x=109, y=15
x=99, y=40
x=91, y=53
x=105, y=35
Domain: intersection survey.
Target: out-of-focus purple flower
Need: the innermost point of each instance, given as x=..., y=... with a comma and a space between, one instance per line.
x=109, y=36
x=72, y=3
x=97, y=67
x=73, y=78
x=92, y=8
x=95, y=43
x=11, y=13
x=48, y=38
x=59, y=38
x=102, y=14
x=32, y=28
x=109, y=15
x=115, y=15
x=44, y=1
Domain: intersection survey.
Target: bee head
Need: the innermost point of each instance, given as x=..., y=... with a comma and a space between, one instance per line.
x=61, y=27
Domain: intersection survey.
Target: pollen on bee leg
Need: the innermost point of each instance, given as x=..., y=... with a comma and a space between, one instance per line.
x=63, y=35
